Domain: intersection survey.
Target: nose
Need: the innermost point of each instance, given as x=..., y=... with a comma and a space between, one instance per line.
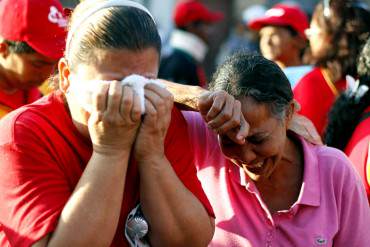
x=247, y=154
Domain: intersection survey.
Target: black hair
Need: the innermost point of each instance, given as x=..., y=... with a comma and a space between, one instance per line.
x=112, y=28
x=349, y=26
x=348, y=108
x=19, y=47
x=291, y=30
x=250, y=74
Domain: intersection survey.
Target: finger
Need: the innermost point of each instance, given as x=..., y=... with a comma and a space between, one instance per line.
x=114, y=97
x=156, y=101
x=225, y=115
x=243, y=130
x=136, y=108
x=205, y=102
x=150, y=112
x=217, y=106
x=162, y=92
x=234, y=121
x=126, y=102
x=99, y=97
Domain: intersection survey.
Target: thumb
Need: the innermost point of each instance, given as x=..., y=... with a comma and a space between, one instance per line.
x=205, y=103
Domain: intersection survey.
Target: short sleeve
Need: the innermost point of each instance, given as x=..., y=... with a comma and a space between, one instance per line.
x=33, y=190
x=181, y=156
x=202, y=139
x=354, y=213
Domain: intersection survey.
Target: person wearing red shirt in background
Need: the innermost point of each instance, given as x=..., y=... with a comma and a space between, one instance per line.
x=282, y=38
x=32, y=39
x=189, y=43
x=71, y=175
x=337, y=32
x=349, y=121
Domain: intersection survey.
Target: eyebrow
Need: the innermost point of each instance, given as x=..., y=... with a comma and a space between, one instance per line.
x=258, y=135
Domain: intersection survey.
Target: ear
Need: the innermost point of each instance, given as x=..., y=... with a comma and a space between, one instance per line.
x=4, y=48
x=64, y=73
x=292, y=109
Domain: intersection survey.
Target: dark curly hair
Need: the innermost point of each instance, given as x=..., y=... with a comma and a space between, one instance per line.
x=349, y=26
x=347, y=110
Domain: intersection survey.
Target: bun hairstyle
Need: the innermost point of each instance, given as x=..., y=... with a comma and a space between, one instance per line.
x=108, y=25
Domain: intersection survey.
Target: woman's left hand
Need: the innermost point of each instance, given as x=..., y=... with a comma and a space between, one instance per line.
x=149, y=143
x=305, y=128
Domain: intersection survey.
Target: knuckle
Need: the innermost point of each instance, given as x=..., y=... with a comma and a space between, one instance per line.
x=235, y=122
x=216, y=108
x=116, y=96
x=136, y=113
x=226, y=116
x=170, y=97
x=109, y=119
x=127, y=102
x=99, y=96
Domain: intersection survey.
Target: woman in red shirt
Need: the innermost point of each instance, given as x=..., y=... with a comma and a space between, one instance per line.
x=71, y=175
x=349, y=120
x=336, y=34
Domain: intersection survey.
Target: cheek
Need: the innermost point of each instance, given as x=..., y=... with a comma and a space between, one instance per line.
x=272, y=148
x=229, y=152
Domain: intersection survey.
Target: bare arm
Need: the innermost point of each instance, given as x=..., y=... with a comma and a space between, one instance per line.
x=91, y=215
x=185, y=95
x=176, y=217
x=220, y=116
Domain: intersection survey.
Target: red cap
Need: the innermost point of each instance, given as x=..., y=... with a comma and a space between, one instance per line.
x=39, y=23
x=192, y=10
x=283, y=15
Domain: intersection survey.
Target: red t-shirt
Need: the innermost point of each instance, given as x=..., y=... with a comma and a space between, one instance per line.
x=316, y=96
x=10, y=102
x=43, y=157
x=357, y=150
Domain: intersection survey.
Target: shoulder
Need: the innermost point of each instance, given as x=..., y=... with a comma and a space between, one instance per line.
x=335, y=166
x=313, y=77
x=28, y=121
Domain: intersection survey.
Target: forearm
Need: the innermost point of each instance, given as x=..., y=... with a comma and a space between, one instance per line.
x=175, y=215
x=91, y=215
x=185, y=95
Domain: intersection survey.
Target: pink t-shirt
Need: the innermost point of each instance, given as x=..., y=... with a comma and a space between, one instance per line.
x=332, y=207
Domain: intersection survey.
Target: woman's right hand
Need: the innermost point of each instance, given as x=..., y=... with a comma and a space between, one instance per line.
x=222, y=112
x=115, y=118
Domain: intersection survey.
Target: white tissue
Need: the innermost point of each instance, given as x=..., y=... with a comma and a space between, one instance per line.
x=83, y=90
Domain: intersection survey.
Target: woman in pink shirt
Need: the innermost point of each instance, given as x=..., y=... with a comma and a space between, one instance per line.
x=275, y=189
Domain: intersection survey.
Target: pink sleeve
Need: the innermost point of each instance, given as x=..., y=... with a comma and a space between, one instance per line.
x=181, y=157
x=354, y=213
x=202, y=139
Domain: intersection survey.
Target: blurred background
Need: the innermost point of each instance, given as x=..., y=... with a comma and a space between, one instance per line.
x=235, y=11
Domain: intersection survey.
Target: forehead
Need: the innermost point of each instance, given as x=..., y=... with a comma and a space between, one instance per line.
x=274, y=29
x=258, y=116
x=119, y=63
x=36, y=57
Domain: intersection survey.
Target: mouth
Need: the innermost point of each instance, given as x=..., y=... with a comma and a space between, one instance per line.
x=256, y=167
x=259, y=164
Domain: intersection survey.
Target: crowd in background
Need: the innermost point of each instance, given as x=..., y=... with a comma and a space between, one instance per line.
x=273, y=148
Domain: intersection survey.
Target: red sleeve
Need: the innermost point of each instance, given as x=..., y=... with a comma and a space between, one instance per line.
x=312, y=98
x=33, y=189
x=181, y=156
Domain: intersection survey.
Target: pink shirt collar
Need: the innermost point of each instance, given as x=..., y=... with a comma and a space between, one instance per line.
x=310, y=190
